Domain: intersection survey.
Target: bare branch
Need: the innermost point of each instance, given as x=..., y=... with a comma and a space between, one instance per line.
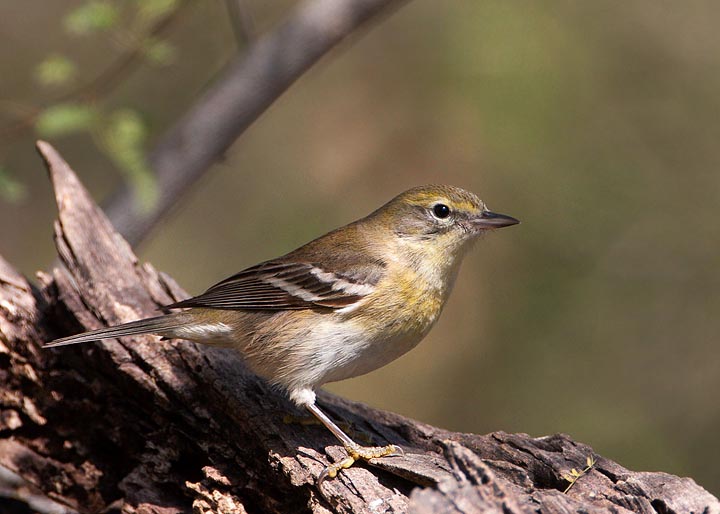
x=247, y=88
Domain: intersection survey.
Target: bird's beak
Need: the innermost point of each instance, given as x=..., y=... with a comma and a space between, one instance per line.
x=490, y=220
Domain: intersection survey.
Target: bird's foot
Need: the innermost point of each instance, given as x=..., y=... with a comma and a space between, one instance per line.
x=356, y=453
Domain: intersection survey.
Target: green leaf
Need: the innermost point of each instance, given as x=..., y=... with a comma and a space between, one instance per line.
x=123, y=138
x=55, y=70
x=159, y=52
x=62, y=119
x=10, y=189
x=93, y=16
x=150, y=10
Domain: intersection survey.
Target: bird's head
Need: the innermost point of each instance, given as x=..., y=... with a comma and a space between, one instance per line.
x=435, y=220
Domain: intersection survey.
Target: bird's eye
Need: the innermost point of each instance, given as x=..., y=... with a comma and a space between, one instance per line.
x=440, y=210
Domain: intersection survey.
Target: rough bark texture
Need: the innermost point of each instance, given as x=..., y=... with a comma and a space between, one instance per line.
x=144, y=426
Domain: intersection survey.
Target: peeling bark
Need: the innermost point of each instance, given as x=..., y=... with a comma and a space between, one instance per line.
x=141, y=426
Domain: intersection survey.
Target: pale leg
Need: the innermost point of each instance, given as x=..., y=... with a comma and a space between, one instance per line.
x=355, y=451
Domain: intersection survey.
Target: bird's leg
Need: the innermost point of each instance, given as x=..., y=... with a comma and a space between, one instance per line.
x=354, y=450
x=308, y=419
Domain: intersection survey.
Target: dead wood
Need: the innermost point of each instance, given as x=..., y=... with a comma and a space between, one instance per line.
x=144, y=426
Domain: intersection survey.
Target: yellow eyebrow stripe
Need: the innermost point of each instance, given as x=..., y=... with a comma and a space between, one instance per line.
x=424, y=200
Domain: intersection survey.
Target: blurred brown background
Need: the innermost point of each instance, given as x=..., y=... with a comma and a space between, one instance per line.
x=595, y=123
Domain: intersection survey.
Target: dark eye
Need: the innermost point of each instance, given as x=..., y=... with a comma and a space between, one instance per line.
x=440, y=210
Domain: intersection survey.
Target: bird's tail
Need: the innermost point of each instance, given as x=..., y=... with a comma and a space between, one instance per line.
x=157, y=325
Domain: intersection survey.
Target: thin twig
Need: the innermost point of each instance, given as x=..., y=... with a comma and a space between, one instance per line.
x=241, y=21
x=249, y=85
x=574, y=475
x=102, y=84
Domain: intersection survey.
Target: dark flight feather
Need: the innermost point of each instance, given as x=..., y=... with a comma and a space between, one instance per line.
x=279, y=285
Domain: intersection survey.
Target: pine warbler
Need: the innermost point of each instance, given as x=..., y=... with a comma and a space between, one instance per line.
x=340, y=306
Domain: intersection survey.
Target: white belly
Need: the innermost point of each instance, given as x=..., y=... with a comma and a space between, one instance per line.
x=335, y=354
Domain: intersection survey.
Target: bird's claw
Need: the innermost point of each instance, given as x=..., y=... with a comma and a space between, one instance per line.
x=356, y=453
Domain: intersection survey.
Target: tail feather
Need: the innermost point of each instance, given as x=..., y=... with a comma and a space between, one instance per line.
x=158, y=324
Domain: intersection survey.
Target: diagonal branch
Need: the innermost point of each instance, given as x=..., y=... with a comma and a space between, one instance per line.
x=249, y=85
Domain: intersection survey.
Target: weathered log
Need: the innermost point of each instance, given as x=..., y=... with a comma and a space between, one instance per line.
x=139, y=425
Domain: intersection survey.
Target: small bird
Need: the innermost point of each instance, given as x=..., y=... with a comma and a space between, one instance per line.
x=340, y=306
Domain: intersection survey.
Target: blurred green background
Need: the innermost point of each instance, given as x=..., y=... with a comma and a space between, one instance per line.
x=595, y=123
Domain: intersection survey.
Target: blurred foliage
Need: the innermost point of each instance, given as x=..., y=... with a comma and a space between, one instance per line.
x=90, y=17
x=595, y=123
x=120, y=132
x=159, y=52
x=55, y=70
x=66, y=118
x=149, y=11
x=123, y=137
x=10, y=189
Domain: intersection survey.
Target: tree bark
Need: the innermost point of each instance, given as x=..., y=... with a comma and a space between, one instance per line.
x=141, y=426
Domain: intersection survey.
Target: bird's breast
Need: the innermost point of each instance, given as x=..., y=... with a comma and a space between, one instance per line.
x=402, y=311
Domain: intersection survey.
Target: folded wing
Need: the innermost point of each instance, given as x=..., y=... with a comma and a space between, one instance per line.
x=278, y=285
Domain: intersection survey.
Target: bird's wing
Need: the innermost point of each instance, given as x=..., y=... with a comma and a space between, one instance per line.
x=280, y=285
